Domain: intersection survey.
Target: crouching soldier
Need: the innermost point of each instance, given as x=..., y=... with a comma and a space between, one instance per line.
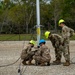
x=27, y=53
x=57, y=43
x=42, y=56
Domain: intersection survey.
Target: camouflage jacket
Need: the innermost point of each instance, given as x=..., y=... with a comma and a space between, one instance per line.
x=45, y=51
x=26, y=51
x=67, y=32
x=56, y=40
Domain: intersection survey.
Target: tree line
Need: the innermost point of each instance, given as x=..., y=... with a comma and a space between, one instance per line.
x=20, y=16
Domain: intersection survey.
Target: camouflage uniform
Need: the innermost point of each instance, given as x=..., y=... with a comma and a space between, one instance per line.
x=27, y=54
x=57, y=43
x=42, y=56
x=66, y=34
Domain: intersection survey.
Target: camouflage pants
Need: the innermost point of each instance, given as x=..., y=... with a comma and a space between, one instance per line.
x=27, y=56
x=41, y=59
x=58, y=53
x=66, y=52
x=63, y=49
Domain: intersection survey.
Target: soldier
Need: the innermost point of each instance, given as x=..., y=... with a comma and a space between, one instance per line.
x=57, y=42
x=42, y=56
x=66, y=34
x=27, y=53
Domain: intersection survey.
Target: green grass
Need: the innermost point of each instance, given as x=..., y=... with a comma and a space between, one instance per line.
x=17, y=37
x=72, y=38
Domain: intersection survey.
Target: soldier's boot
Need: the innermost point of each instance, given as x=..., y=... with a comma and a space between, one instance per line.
x=29, y=62
x=57, y=62
x=37, y=63
x=24, y=62
x=48, y=63
x=42, y=63
x=67, y=63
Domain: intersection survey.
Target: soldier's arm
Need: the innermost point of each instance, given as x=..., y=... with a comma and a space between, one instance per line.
x=71, y=32
x=25, y=49
x=65, y=33
x=60, y=40
x=23, y=53
x=41, y=51
x=29, y=50
x=56, y=39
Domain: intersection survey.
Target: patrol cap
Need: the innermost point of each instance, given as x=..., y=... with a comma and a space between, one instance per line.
x=60, y=21
x=47, y=34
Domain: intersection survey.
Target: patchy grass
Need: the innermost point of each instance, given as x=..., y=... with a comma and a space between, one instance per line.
x=73, y=37
x=20, y=37
x=16, y=37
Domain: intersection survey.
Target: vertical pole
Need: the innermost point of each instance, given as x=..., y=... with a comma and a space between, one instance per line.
x=38, y=20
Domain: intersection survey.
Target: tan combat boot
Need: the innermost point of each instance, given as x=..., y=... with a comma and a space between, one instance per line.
x=57, y=62
x=48, y=63
x=67, y=63
x=24, y=62
x=42, y=64
x=29, y=63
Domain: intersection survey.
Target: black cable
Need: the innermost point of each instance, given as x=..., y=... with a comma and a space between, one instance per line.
x=24, y=70
x=72, y=60
x=10, y=63
x=19, y=69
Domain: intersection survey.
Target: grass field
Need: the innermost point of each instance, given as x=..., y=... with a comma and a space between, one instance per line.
x=15, y=37
x=20, y=37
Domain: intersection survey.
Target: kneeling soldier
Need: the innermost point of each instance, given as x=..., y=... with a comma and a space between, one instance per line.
x=42, y=56
x=27, y=53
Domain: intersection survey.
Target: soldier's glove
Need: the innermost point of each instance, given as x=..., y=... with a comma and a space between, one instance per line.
x=38, y=46
x=35, y=51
